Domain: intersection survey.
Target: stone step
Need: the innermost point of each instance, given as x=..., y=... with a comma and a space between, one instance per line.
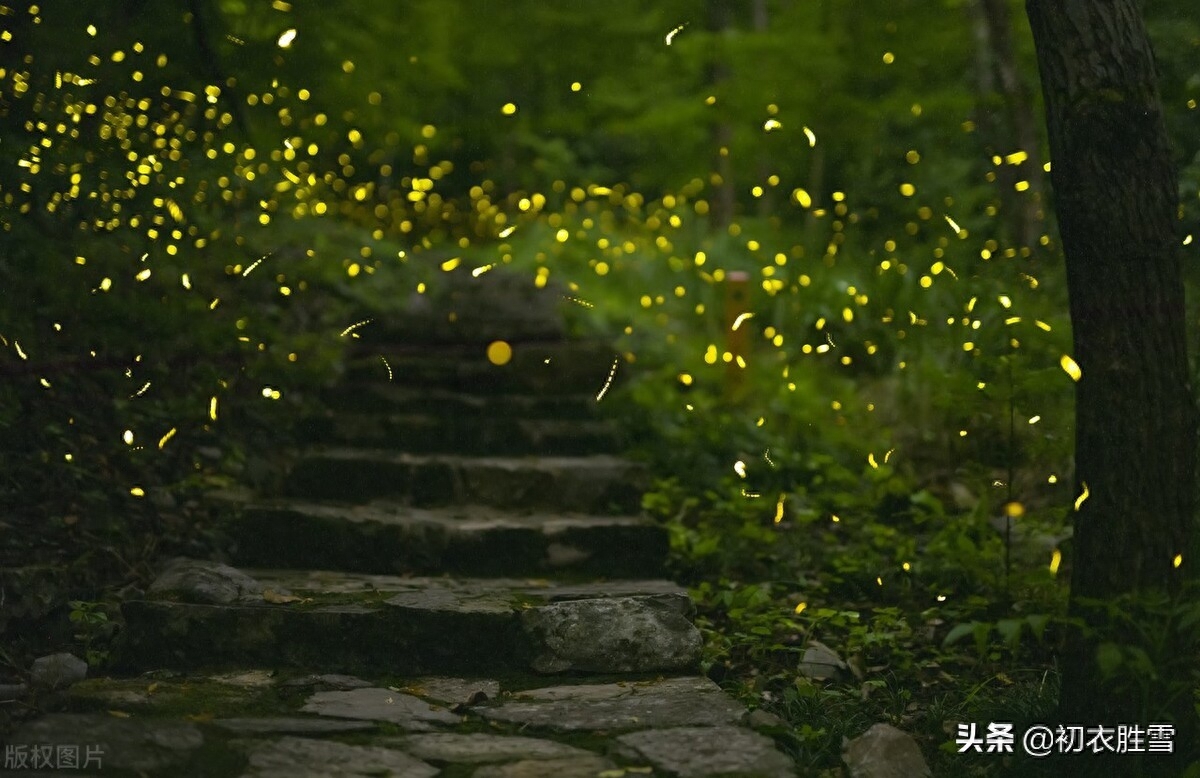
x=261, y=723
x=555, y=367
x=592, y=484
x=386, y=537
x=495, y=435
x=460, y=308
x=207, y=615
x=389, y=397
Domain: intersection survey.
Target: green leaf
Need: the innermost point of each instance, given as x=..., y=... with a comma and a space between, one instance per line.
x=1010, y=631
x=1108, y=658
x=1037, y=624
x=959, y=632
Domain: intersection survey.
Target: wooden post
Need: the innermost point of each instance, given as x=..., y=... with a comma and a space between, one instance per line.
x=737, y=302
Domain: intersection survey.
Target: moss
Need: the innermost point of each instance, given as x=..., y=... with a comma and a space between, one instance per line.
x=195, y=698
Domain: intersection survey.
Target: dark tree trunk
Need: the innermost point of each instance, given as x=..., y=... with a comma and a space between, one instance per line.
x=1116, y=198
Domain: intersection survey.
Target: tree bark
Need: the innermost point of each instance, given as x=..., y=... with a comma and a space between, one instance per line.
x=1116, y=198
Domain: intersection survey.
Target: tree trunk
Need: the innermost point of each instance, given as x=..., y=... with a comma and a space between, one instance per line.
x=1013, y=129
x=724, y=198
x=1116, y=198
x=760, y=17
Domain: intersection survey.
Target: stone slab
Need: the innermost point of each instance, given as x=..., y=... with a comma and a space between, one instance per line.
x=567, y=767
x=362, y=623
x=586, y=484
x=616, y=707
x=376, y=704
x=294, y=757
x=605, y=635
x=706, y=752
x=681, y=726
x=196, y=696
x=384, y=537
x=503, y=435
x=290, y=725
x=453, y=691
x=327, y=682
x=386, y=397
x=480, y=748
x=159, y=747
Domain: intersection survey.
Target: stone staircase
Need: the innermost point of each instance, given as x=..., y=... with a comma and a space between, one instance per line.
x=456, y=579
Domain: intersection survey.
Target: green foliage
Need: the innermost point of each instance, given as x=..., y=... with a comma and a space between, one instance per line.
x=1145, y=644
x=95, y=630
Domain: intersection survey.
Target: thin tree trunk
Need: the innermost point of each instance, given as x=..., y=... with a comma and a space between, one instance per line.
x=1116, y=198
x=1014, y=128
x=720, y=213
x=761, y=17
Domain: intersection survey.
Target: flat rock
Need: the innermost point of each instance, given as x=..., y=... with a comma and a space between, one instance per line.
x=389, y=537
x=328, y=682
x=393, y=398
x=246, y=679
x=673, y=702
x=699, y=752
x=453, y=691
x=482, y=435
x=195, y=696
x=290, y=725
x=293, y=757
x=362, y=623
x=191, y=580
x=567, y=767
x=627, y=634
x=589, y=484
x=162, y=747
x=374, y=704
x=884, y=751
x=478, y=748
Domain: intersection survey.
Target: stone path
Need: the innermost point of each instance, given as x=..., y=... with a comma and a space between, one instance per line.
x=456, y=580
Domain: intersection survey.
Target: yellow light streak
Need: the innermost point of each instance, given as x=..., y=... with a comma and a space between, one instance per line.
x=608, y=383
x=1082, y=496
x=1071, y=368
x=355, y=326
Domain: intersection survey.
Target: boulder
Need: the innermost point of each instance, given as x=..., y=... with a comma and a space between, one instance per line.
x=193, y=580
x=57, y=671
x=884, y=752
x=617, y=635
x=821, y=663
